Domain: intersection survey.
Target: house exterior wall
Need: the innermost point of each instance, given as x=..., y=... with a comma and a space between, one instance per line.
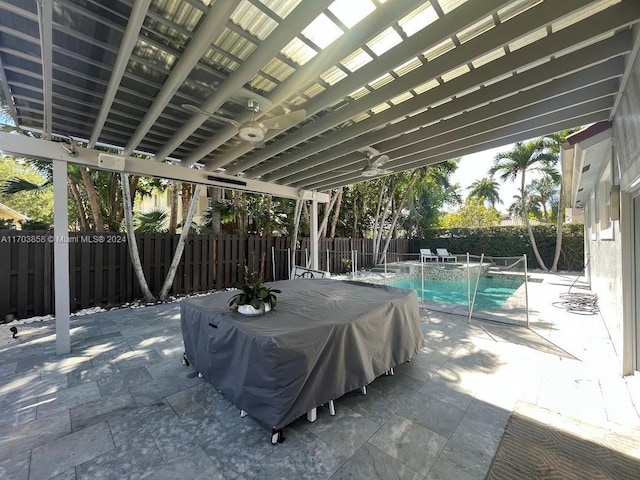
x=161, y=200
x=626, y=156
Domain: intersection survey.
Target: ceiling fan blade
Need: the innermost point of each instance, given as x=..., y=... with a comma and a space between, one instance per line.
x=194, y=109
x=282, y=122
x=379, y=160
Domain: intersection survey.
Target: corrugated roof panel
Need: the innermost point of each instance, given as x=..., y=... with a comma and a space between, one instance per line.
x=356, y=60
x=439, y=49
x=298, y=51
x=381, y=107
x=384, y=41
x=276, y=68
x=322, y=31
x=516, y=8
x=582, y=14
x=360, y=117
x=333, y=75
x=313, y=90
x=261, y=83
x=476, y=29
x=584, y=44
x=418, y=19
x=251, y=19
x=161, y=58
x=179, y=12
x=296, y=100
x=448, y=6
x=488, y=57
x=403, y=97
x=381, y=81
x=282, y=8
x=426, y=86
x=528, y=39
x=237, y=45
x=350, y=12
x=408, y=66
x=359, y=93
x=220, y=62
x=455, y=73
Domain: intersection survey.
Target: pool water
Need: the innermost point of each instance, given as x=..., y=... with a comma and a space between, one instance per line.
x=492, y=292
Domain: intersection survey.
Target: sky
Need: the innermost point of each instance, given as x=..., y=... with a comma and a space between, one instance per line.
x=476, y=166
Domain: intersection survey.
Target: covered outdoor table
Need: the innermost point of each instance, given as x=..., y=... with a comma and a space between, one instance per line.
x=325, y=338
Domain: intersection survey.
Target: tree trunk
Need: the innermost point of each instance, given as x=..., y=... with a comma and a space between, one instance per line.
x=532, y=239
x=77, y=198
x=186, y=200
x=94, y=203
x=396, y=215
x=327, y=213
x=173, y=209
x=296, y=224
x=131, y=239
x=166, y=286
x=336, y=214
x=559, y=233
x=216, y=216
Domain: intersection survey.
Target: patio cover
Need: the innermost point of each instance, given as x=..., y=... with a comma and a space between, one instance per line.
x=419, y=81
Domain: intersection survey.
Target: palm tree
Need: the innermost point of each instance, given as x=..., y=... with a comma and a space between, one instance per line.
x=523, y=158
x=487, y=189
x=543, y=190
x=553, y=143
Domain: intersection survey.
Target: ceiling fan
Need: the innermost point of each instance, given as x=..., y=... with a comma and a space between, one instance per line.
x=375, y=162
x=254, y=130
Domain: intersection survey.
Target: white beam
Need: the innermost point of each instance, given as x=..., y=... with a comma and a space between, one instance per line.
x=632, y=58
x=21, y=145
x=136, y=19
x=61, y=257
x=45, y=21
x=8, y=96
x=208, y=30
x=494, y=38
x=313, y=228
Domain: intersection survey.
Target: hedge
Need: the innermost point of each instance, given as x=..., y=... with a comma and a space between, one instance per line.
x=511, y=242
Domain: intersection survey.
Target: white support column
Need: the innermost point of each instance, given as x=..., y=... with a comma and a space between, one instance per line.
x=314, y=234
x=61, y=256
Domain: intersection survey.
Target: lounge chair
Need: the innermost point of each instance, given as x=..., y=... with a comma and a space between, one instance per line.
x=426, y=255
x=445, y=255
x=303, y=272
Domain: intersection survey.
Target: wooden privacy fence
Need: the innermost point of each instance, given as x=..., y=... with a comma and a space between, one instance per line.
x=101, y=273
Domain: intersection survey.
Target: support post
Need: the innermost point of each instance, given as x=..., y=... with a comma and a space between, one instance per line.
x=61, y=257
x=526, y=289
x=314, y=234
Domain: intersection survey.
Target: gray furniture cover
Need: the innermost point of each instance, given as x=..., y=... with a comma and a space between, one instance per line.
x=325, y=338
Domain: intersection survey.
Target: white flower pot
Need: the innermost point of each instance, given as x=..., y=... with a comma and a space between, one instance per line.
x=250, y=311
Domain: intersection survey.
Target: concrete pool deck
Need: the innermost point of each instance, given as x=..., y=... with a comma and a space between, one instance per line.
x=122, y=405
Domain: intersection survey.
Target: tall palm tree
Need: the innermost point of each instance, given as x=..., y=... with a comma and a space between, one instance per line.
x=553, y=143
x=487, y=189
x=523, y=158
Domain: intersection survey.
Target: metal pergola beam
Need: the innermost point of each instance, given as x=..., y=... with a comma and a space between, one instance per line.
x=303, y=14
x=23, y=146
x=371, y=25
x=208, y=30
x=474, y=136
x=45, y=21
x=612, y=18
x=136, y=19
x=462, y=55
x=547, y=97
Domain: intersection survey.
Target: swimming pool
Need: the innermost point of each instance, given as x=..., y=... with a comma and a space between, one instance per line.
x=492, y=291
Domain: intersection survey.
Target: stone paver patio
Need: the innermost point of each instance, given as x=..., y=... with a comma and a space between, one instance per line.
x=122, y=405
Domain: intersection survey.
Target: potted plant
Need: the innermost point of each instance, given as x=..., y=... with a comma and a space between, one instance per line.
x=254, y=298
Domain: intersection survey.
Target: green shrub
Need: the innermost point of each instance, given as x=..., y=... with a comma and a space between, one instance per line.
x=512, y=242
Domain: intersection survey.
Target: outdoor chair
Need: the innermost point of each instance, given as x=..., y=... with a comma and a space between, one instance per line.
x=427, y=256
x=303, y=272
x=444, y=254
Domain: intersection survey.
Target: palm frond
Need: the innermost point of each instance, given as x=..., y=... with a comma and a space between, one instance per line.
x=17, y=185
